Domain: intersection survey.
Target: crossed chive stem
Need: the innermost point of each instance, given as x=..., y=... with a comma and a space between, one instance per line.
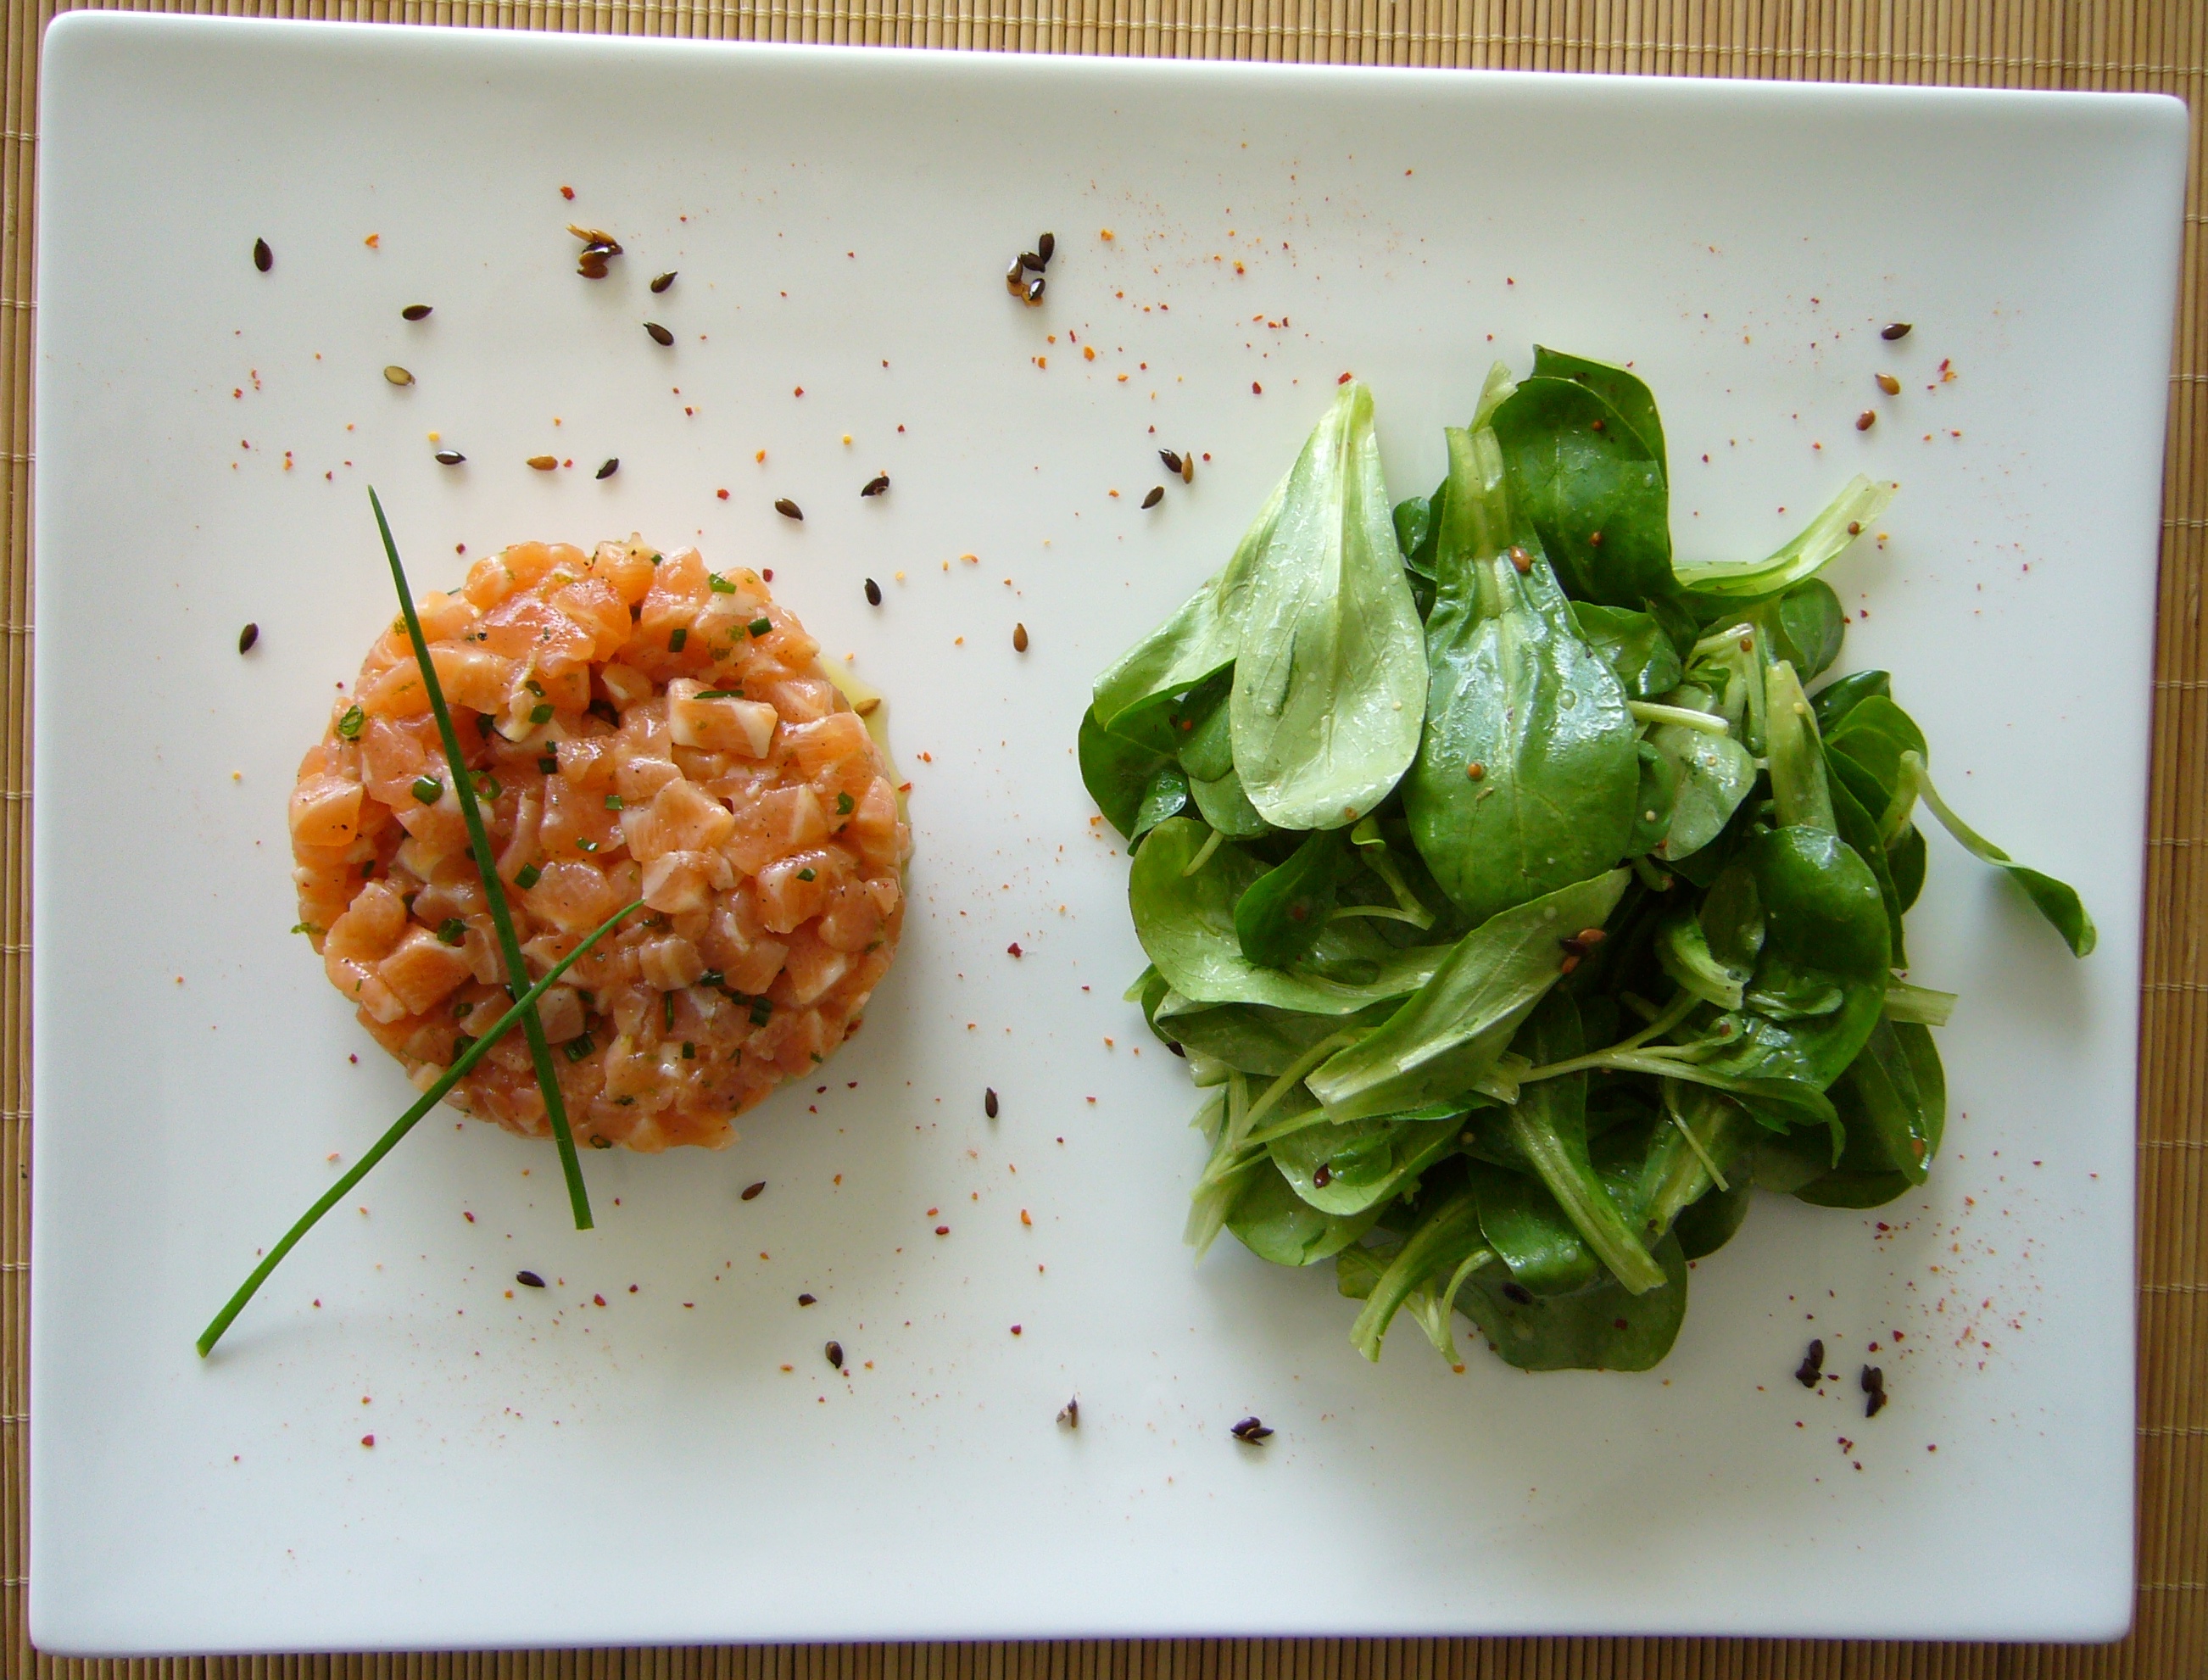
x=525, y=1005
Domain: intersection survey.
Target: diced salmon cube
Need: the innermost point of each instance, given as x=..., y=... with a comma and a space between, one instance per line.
x=423, y=970
x=676, y=882
x=670, y=963
x=775, y=824
x=325, y=810
x=721, y=725
x=793, y=890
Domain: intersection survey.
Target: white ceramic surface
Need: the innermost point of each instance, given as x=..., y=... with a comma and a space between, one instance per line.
x=682, y=1464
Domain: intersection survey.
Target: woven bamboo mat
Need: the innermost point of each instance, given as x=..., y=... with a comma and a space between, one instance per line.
x=2146, y=45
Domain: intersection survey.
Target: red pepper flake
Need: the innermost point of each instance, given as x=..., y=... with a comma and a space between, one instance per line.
x=470, y=1217
x=799, y=391
x=1013, y=949
x=1016, y=1329
x=942, y=1230
x=600, y=1299
x=368, y=1440
x=723, y=494
x=1255, y=389
x=567, y=192
x=1346, y=378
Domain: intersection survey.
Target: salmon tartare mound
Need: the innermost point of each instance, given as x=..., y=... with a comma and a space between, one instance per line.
x=637, y=727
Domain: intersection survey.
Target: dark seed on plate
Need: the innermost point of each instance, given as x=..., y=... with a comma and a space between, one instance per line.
x=1015, y=278
x=660, y=335
x=788, y=509
x=1813, y=1364
x=752, y=1190
x=1157, y=495
x=1031, y=260
x=1171, y=460
x=1855, y=527
x=612, y=466
x=1249, y=1430
x=529, y=1280
x=251, y=633
x=661, y=282
x=592, y=236
x=415, y=312
x=1034, y=289
x=875, y=485
x=874, y=593
x=263, y=258
x=591, y=267
x=1874, y=1386
x=989, y=1101
x=805, y=1300
x=1046, y=248
x=449, y=457
x=1865, y=421
x=1324, y=1175
x=1519, y=1293
x=1899, y=329
x=1070, y=1413
x=398, y=375
x=835, y=1352
x=1177, y=1051
x=544, y=463
x=1019, y=639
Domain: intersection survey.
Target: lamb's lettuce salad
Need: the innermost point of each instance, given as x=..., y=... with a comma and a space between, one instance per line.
x=1516, y=904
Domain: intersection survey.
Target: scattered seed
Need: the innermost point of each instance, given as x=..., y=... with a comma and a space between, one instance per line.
x=449, y=457
x=1157, y=495
x=612, y=466
x=752, y=1190
x=544, y=463
x=1032, y=260
x=1865, y=421
x=592, y=266
x=869, y=706
x=251, y=633
x=874, y=593
x=1813, y=1364
x=788, y=509
x=1046, y=248
x=1855, y=527
x=1889, y=384
x=835, y=1352
x=594, y=240
x=1250, y=1431
x=1874, y=1386
x=1518, y=1293
x=415, y=312
x=1188, y=469
x=1519, y=559
x=1322, y=1174
x=875, y=485
x=1597, y=425
x=1019, y=639
x=529, y=1280
x=263, y=258
x=989, y=1102
x=661, y=282
x=1015, y=279
x=660, y=335
x=398, y=375
x=1475, y=770
x=1034, y=293
x=805, y=1300
x=1070, y=1413
x=1899, y=329
x=1171, y=460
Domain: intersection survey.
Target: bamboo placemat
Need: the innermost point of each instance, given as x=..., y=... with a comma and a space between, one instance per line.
x=2113, y=45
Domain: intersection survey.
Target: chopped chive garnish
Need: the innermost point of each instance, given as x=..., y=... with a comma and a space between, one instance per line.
x=509, y=948
x=597, y=1142
x=762, y=1011
x=710, y=977
x=465, y=1060
x=304, y=927
x=759, y=627
x=452, y=931
x=667, y=1010
x=367, y=870
x=349, y=725
x=718, y=694
x=461, y=1012
x=586, y=845
x=527, y=876
x=577, y=1048
x=613, y=801
x=534, y=686
x=487, y=785
x=461, y=1043
x=541, y=714
x=428, y=790
x=689, y=1051
x=676, y=637
x=483, y=724
x=605, y=709
x=549, y=764
x=843, y=805
x=805, y=874
x=719, y=585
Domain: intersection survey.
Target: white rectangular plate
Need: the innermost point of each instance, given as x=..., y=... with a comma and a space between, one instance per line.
x=682, y=1464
